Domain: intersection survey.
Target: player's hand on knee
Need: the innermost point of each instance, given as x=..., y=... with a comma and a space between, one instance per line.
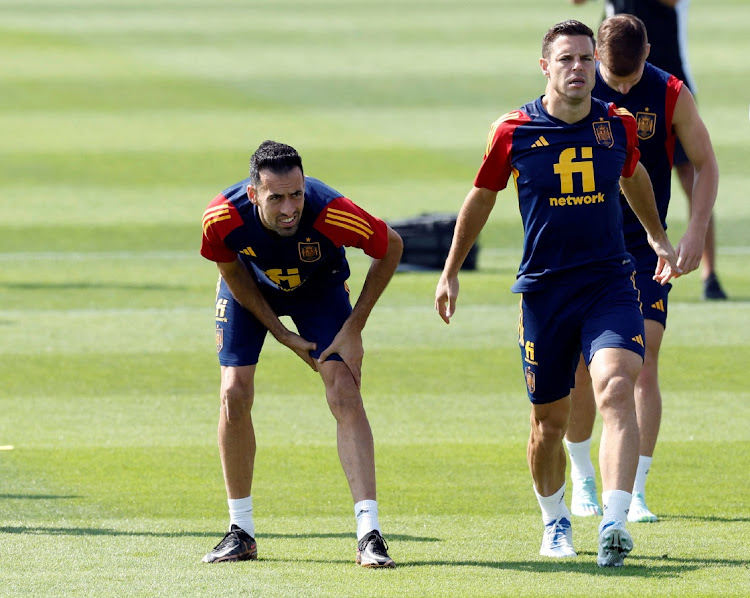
x=349, y=347
x=301, y=347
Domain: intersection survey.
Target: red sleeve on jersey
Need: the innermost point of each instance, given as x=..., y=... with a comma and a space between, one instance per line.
x=219, y=219
x=631, y=133
x=345, y=223
x=674, y=87
x=496, y=167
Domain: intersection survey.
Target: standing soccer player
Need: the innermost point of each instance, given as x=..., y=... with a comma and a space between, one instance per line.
x=666, y=25
x=665, y=112
x=278, y=240
x=568, y=154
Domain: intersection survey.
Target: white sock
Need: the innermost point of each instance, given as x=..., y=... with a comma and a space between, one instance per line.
x=615, y=506
x=241, y=513
x=366, y=512
x=581, y=466
x=644, y=465
x=553, y=507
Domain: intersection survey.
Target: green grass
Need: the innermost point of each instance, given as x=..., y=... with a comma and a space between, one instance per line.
x=121, y=120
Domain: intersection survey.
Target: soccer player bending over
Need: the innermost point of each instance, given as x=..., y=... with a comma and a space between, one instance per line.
x=278, y=240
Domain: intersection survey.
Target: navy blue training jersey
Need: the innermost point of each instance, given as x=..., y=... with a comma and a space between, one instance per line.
x=567, y=178
x=315, y=253
x=651, y=101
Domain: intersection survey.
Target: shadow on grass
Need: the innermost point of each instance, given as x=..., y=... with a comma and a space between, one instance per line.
x=704, y=518
x=635, y=566
x=96, y=531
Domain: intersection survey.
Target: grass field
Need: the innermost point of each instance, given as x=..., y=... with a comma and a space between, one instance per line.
x=121, y=120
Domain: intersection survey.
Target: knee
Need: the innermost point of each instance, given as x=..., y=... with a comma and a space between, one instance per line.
x=615, y=393
x=344, y=399
x=549, y=428
x=236, y=399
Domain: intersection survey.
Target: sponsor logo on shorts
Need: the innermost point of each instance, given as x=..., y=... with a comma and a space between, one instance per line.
x=638, y=339
x=221, y=310
x=530, y=379
x=219, y=339
x=659, y=305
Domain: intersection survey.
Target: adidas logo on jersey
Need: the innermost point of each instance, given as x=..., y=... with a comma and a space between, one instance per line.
x=638, y=339
x=541, y=142
x=248, y=251
x=659, y=305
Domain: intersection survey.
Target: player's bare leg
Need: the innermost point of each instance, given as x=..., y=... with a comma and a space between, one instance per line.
x=613, y=374
x=584, y=501
x=648, y=410
x=237, y=451
x=357, y=455
x=236, y=432
x=546, y=458
x=353, y=433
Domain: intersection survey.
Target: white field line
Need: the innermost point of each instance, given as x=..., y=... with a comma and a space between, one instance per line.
x=163, y=255
x=70, y=256
x=506, y=251
x=116, y=311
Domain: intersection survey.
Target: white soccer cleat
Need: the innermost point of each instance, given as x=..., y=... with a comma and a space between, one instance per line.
x=639, y=512
x=584, y=502
x=615, y=544
x=557, y=541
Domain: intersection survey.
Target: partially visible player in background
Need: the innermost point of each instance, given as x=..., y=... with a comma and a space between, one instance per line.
x=665, y=111
x=569, y=154
x=666, y=25
x=278, y=241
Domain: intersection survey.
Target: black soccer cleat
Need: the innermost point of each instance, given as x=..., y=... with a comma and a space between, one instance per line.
x=712, y=290
x=372, y=551
x=237, y=545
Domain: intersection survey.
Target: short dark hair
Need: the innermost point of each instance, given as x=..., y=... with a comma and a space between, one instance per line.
x=274, y=156
x=569, y=27
x=623, y=43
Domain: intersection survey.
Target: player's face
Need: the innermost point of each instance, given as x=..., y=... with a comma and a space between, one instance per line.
x=280, y=199
x=621, y=84
x=571, y=67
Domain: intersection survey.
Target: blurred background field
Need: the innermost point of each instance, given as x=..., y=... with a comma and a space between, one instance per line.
x=121, y=120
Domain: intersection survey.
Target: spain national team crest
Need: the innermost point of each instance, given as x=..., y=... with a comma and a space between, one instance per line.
x=603, y=133
x=309, y=252
x=646, y=122
x=530, y=379
x=219, y=339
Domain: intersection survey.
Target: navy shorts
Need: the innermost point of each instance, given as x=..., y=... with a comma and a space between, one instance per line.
x=317, y=313
x=556, y=325
x=653, y=295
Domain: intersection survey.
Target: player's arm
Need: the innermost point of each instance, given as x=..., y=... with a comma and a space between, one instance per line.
x=348, y=341
x=245, y=290
x=694, y=137
x=378, y=276
x=640, y=195
x=471, y=219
